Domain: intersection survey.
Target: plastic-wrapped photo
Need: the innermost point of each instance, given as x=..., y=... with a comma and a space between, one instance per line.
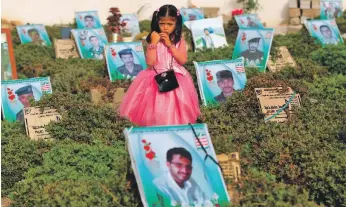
x=248, y=21
x=325, y=31
x=218, y=79
x=132, y=24
x=172, y=168
x=16, y=95
x=208, y=33
x=331, y=9
x=125, y=60
x=8, y=64
x=254, y=45
x=88, y=20
x=191, y=14
x=90, y=42
x=35, y=33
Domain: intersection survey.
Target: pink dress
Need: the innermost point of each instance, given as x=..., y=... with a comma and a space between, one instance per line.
x=144, y=105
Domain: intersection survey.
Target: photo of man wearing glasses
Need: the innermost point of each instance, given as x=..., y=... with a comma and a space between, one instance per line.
x=177, y=183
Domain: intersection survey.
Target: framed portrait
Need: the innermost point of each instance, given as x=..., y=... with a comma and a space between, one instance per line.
x=88, y=20
x=325, y=31
x=8, y=63
x=248, y=21
x=218, y=79
x=172, y=169
x=191, y=14
x=331, y=9
x=16, y=95
x=125, y=60
x=254, y=46
x=132, y=24
x=208, y=33
x=90, y=42
x=34, y=33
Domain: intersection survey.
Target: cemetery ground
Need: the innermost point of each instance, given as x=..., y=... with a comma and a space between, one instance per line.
x=297, y=163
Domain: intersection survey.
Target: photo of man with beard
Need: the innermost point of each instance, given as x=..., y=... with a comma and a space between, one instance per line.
x=225, y=83
x=253, y=56
x=177, y=183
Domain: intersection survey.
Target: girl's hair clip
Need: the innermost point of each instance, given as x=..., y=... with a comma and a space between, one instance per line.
x=157, y=10
x=178, y=12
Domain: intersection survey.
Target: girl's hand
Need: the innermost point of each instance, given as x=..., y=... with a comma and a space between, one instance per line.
x=155, y=38
x=165, y=39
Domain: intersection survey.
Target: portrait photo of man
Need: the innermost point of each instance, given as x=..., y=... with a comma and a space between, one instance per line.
x=130, y=67
x=96, y=51
x=24, y=95
x=177, y=183
x=253, y=56
x=208, y=39
x=89, y=21
x=327, y=35
x=35, y=37
x=226, y=83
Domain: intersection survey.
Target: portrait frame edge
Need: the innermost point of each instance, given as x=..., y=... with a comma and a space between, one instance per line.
x=7, y=31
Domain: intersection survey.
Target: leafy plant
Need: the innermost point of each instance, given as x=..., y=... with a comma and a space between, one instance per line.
x=250, y=5
x=332, y=56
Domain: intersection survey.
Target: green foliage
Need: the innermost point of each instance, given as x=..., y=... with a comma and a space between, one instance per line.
x=78, y=175
x=341, y=22
x=83, y=121
x=18, y=154
x=261, y=189
x=299, y=44
x=249, y=5
x=145, y=25
x=332, y=56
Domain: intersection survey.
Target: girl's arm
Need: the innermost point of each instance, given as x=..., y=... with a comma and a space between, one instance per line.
x=180, y=53
x=151, y=49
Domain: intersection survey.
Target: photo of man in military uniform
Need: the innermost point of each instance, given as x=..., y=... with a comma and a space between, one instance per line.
x=251, y=23
x=253, y=57
x=24, y=95
x=129, y=68
x=96, y=51
x=225, y=82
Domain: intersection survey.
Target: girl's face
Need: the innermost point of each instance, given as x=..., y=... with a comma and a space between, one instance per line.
x=167, y=25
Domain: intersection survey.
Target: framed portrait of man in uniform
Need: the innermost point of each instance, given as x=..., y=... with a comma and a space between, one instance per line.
x=90, y=43
x=125, y=60
x=324, y=31
x=248, y=21
x=254, y=46
x=218, y=79
x=8, y=64
x=34, y=33
x=331, y=9
x=16, y=95
x=172, y=167
x=88, y=20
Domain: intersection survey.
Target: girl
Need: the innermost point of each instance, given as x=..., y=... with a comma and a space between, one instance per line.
x=143, y=104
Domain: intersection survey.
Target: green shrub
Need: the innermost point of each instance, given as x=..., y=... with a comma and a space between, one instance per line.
x=19, y=154
x=145, y=25
x=78, y=175
x=261, y=189
x=332, y=56
x=83, y=121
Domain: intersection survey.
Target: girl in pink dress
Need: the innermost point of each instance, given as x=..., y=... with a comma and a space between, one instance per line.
x=143, y=104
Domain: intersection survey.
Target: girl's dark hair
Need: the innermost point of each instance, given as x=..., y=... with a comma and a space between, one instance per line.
x=164, y=11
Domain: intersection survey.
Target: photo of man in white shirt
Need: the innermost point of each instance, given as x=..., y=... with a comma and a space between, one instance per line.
x=177, y=183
